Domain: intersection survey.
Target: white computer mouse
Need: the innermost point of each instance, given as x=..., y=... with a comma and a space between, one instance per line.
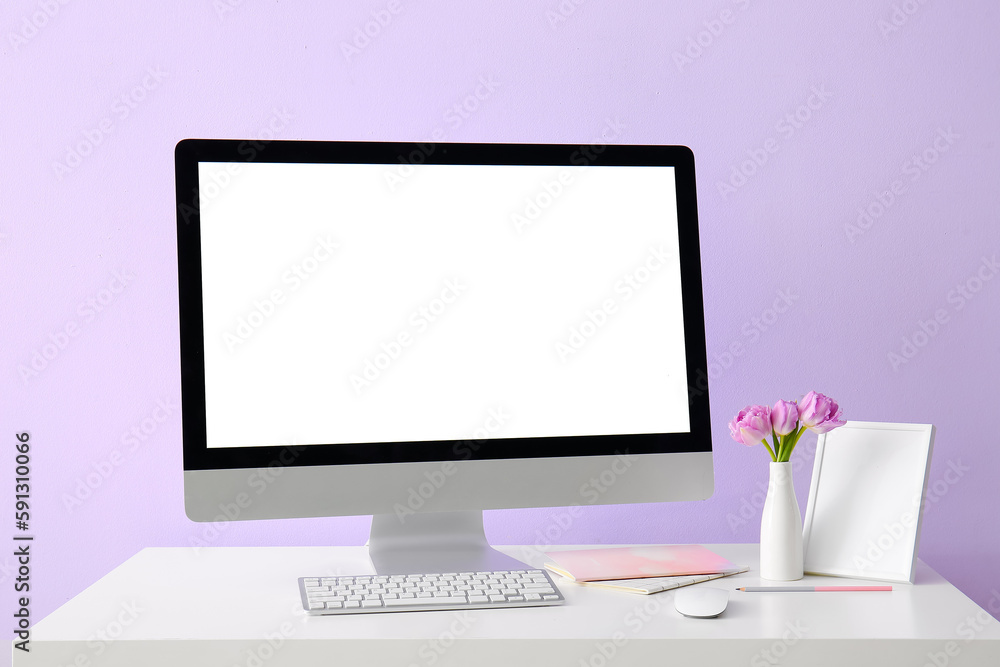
x=700, y=602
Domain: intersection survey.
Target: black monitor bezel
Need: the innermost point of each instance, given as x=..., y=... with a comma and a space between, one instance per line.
x=197, y=454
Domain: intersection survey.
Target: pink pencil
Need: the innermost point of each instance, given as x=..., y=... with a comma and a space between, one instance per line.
x=810, y=589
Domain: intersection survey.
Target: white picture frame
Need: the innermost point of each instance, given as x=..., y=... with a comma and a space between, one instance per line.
x=866, y=497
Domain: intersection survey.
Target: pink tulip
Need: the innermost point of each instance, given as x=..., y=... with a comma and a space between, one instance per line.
x=819, y=413
x=784, y=417
x=751, y=425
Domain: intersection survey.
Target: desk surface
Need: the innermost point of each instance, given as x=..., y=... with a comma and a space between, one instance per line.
x=240, y=606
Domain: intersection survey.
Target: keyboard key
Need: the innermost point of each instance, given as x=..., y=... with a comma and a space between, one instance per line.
x=420, y=602
x=367, y=604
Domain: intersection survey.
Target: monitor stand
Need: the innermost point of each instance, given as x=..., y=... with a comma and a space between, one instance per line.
x=434, y=542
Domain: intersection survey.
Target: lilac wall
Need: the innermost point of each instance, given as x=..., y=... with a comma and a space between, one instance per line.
x=874, y=89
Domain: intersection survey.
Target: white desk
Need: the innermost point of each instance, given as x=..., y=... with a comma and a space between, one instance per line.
x=218, y=606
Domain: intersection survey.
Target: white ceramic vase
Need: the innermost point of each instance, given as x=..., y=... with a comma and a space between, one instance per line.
x=781, y=528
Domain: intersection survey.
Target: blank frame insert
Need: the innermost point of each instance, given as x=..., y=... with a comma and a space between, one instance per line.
x=864, y=511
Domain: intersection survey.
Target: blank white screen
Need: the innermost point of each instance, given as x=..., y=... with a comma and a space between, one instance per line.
x=532, y=254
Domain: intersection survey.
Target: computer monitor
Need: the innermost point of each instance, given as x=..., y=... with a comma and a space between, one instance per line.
x=425, y=331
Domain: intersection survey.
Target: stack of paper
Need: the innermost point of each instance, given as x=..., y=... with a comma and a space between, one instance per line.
x=642, y=569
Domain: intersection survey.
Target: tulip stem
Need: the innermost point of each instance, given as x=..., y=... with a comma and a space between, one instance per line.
x=791, y=440
x=773, y=457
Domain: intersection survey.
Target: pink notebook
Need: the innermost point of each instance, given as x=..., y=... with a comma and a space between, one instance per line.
x=638, y=561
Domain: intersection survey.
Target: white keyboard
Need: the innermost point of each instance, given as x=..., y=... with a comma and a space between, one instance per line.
x=423, y=592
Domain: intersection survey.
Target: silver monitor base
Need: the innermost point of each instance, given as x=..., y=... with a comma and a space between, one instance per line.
x=434, y=542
